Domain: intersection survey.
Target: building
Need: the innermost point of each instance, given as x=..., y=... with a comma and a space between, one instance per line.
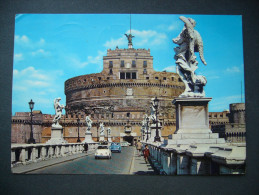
x=235, y=129
x=119, y=96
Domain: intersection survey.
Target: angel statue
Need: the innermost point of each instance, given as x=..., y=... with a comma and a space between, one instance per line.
x=152, y=116
x=189, y=41
x=88, y=123
x=129, y=37
x=58, y=112
x=101, y=129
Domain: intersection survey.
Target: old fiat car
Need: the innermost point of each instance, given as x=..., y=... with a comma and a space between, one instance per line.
x=115, y=147
x=103, y=151
x=124, y=144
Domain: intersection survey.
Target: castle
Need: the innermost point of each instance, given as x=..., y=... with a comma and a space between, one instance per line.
x=119, y=97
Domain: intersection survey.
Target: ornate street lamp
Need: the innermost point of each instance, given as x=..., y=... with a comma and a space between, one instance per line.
x=97, y=128
x=78, y=122
x=31, y=140
x=143, y=133
x=157, y=138
x=147, y=128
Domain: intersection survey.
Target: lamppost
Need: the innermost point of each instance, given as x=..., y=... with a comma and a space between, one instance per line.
x=143, y=133
x=157, y=138
x=78, y=120
x=31, y=140
x=147, y=128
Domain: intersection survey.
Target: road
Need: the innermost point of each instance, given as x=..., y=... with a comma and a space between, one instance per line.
x=119, y=164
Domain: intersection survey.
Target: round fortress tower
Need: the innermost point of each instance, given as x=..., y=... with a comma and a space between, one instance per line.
x=122, y=92
x=237, y=113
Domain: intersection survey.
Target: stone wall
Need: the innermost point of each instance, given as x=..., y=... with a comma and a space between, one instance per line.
x=42, y=125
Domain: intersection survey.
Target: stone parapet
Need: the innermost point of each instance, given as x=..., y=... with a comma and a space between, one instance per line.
x=23, y=154
x=199, y=159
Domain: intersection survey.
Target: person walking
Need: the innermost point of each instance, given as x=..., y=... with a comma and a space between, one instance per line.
x=86, y=147
x=146, y=153
x=138, y=147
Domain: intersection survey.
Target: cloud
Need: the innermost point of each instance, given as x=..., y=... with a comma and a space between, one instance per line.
x=25, y=41
x=170, y=69
x=148, y=37
x=116, y=42
x=221, y=103
x=142, y=38
x=40, y=85
x=233, y=69
x=21, y=39
x=40, y=52
x=18, y=57
x=75, y=61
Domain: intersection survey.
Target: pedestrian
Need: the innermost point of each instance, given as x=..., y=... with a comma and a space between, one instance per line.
x=85, y=147
x=138, y=147
x=146, y=153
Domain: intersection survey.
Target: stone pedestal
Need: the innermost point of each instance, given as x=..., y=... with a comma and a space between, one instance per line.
x=88, y=137
x=192, y=122
x=56, y=136
x=109, y=138
x=102, y=138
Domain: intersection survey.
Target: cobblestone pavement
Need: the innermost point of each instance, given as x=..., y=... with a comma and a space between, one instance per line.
x=120, y=163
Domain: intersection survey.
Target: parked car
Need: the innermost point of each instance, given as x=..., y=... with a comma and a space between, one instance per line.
x=115, y=147
x=125, y=144
x=103, y=151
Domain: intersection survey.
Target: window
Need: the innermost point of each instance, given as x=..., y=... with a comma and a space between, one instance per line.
x=179, y=80
x=172, y=78
x=108, y=78
x=133, y=64
x=110, y=71
x=134, y=76
x=128, y=75
x=122, y=75
x=144, y=64
x=164, y=78
x=147, y=78
x=99, y=78
x=122, y=63
x=145, y=71
x=156, y=78
x=110, y=64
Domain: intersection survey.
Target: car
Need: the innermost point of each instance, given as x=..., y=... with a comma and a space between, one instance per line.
x=125, y=144
x=103, y=151
x=115, y=147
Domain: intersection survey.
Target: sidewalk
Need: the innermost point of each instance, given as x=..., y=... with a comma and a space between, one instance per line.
x=140, y=167
x=22, y=169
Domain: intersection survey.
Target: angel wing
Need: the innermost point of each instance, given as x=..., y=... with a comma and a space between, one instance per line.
x=189, y=26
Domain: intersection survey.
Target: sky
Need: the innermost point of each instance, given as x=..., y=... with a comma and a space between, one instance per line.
x=51, y=48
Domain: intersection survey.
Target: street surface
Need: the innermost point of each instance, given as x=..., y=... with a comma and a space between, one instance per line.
x=120, y=163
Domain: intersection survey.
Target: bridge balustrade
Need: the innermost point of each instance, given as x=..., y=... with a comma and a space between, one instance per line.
x=30, y=153
x=189, y=160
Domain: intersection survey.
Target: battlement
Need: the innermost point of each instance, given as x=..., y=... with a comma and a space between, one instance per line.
x=128, y=52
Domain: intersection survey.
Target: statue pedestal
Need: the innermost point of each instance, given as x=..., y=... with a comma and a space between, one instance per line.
x=88, y=137
x=192, y=123
x=56, y=136
x=102, y=138
x=109, y=138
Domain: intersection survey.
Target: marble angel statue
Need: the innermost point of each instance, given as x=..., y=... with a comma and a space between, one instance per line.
x=189, y=41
